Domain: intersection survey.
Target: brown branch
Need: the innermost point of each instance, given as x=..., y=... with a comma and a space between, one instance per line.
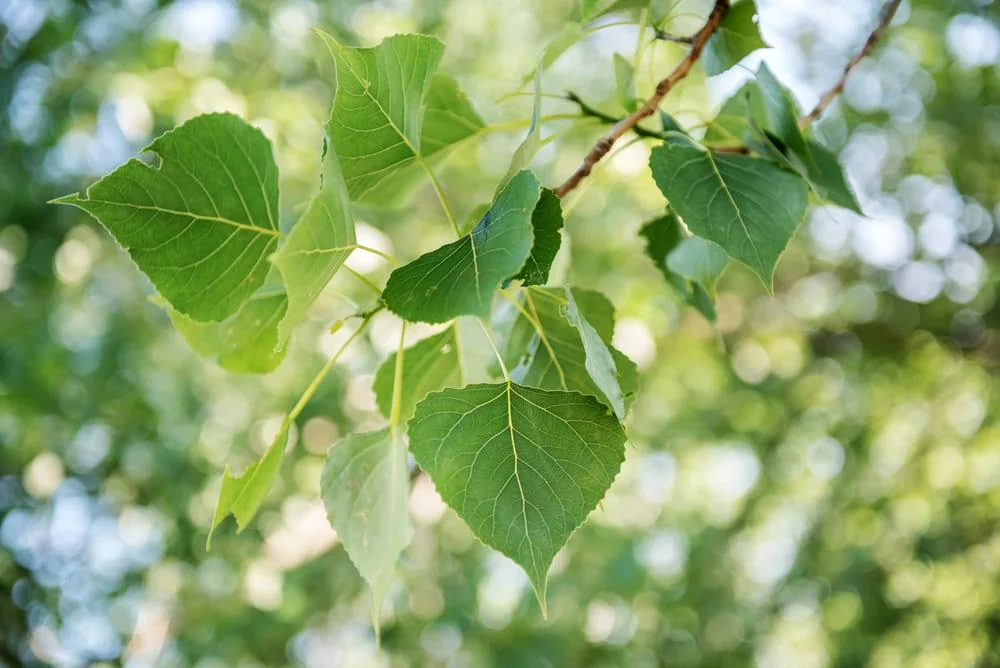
x=885, y=17
x=604, y=144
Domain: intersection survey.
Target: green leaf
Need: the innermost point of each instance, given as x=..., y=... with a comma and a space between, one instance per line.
x=764, y=116
x=365, y=488
x=523, y=467
x=431, y=364
x=736, y=38
x=750, y=207
x=826, y=176
x=202, y=224
x=242, y=495
x=378, y=112
x=663, y=235
x=449, y=119
x=759, y=113
x=449, y=116
x=777, y=112
x=698, y=260
x=459, y=278
x=599, y=363
x=245, y=342
x=317, y=246
x=545, y=350
x=546, y=222
x=625, y=83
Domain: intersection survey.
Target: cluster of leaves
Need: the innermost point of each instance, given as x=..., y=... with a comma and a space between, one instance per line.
x=523, y=460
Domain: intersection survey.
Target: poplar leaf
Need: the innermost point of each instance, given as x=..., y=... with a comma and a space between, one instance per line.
x=737, y=37
x=546, y=222
x=523, y=467
x=460, y=278
x=598, y=361
x=201, y=224
x=543, y=349
x=316, y=247
x=365, y=487
x=242, y=495
x=377, y=120
x=749, y=206
x=663, y=235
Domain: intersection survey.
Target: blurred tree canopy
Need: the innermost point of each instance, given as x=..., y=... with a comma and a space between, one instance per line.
x=813, y=482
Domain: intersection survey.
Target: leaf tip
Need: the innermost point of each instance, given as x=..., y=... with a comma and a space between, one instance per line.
x=73, y=199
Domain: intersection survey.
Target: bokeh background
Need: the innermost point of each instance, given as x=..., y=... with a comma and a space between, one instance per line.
x=815, y=483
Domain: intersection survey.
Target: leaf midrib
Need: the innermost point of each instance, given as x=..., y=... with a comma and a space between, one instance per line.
x=188, y=214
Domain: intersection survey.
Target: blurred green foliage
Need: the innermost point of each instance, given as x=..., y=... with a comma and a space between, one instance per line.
x=816, y=483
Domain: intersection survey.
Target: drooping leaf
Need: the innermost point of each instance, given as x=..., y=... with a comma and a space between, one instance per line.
x=826, y=176
x=749, y=206
x=546, y=221
x=376, y=124
x=698, y=260
x=598, y=361
x=431, y=364
x=523, y=467
x=460, y=278
x=737, y=37
x=242, y=495
x=449, y=119
x=245, y=342
x=365, y=487
x=776, y=112
x=202, y=223
x=763, y=116
x=625, y=83
x=317, y=246
x=663, y=235
x=543, y=349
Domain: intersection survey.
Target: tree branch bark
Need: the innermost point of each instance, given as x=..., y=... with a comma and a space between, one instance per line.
x=885, y=18
x=604, y=144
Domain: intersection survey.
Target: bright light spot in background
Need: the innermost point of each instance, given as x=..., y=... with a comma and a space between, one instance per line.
x=632, y=337
x=825, y=458
x=291, y=23
x=883, y=242
x=134, y=117
x=211, y=96
x=938, y=236
x=43, y=475
x=7, y=264
x=918, y=282
x=973, y=40
x=723, y=475
x=499, y=591
x=362, y=261
x=655, y=476
x=305, y=533
x=632, y=160
x=262, y=585
x=663, y=554
x=441, y=640
x=609, y=622
x=425, y=503
x=751, y=362
x=199, y=25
